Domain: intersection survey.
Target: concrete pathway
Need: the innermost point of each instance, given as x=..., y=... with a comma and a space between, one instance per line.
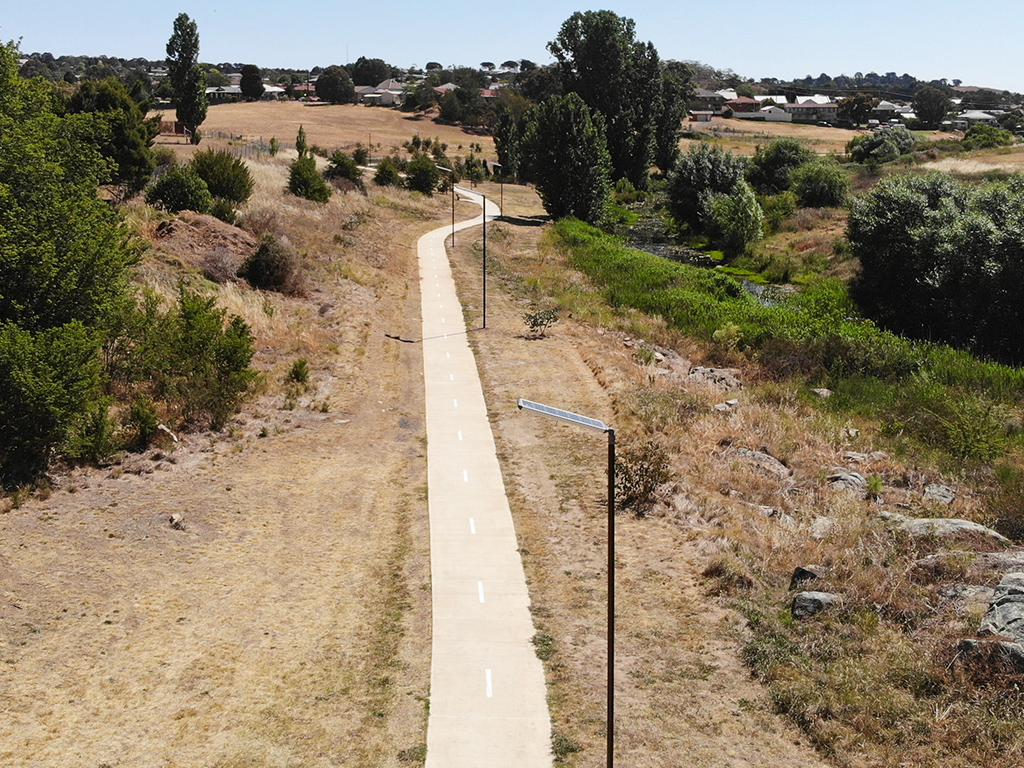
x=488, y=705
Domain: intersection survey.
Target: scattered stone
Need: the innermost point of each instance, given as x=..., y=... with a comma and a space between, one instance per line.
x=999, y=562
x=722, y=407
x=165, y=429
x=852, y=433
x=968, y=599
x=1005, y=616
x=658, y=357
x=943, y=527
x=807, y=604
x=939, y=494
x=777, y=514
x=802, y=574
x=864, y=458
x=995, y=652
x=764, y=462
x=177, y=522
x=846, y=479
x=822, y=392
x=726, y=378
x=821, y=528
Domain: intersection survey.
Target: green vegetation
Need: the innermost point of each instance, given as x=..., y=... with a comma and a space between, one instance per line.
x=771, y=167
x=881, y=146
x=304, y=180
x=334, y=85
x=943, y=260
x=180, y=189
x=74, y=347
x=272, y=267
x=186, y=75
x=821, y=183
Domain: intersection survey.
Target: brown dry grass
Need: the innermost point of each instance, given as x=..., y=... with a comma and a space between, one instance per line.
x=339, y=126
x=289, y=623
x=744, y=136
x=982, y=162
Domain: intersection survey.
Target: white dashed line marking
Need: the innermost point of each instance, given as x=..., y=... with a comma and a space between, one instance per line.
x=456, y=402
x=480, y=589
x=472, y=526
x=460, y=434
x=465, y=475
x=490, y=691
x=448, y=355
x=451, y=376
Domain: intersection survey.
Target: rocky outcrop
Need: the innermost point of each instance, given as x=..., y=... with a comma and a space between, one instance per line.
x=846, y=479
x=724, y=378
x=939, y=494
x=944, y=528
x=764, y=462
x=1005, y=615
x=807, y=604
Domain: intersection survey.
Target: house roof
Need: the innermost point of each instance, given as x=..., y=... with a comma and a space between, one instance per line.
x=391, y=84
x=705, y=94
x=743, y=100
x=976, y=114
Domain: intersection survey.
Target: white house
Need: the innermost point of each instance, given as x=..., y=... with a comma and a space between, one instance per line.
x=973, y=117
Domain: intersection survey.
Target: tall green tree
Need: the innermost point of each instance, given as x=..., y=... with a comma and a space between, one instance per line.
x=599, y=58
x=252, y=82
x=124, y=135
x=63, y=260
x=370, y=71
x=569, y=158
x=676, y=93
x=931, y=105
x=857, y=109
x=334, y=85
x=772, y=165
x=704, y=170
x=188, y=78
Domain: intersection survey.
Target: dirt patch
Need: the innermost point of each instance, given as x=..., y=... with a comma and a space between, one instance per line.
x=204, y=243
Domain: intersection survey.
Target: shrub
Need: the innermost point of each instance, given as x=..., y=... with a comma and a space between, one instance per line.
x=387, y=174
x=361, y=155
x=821, y=184
x=164, y=156
x=735, y=217
x=343, y=167
x=882, y=146
x=771, y=167
x=272, y=267
x=538, y=322
x=983, y=136
x=305, y=181
x=223, y=210
x=275, y=146
x=702, y=171
x=641, y=468
x=777, y=208
x=422, y=175
x=299, y=372
x=180, y=189
x=227, y=177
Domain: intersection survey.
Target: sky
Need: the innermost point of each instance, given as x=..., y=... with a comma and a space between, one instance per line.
x=978, y=43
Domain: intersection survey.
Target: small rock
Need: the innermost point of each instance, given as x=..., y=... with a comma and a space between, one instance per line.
x=996, y=652
x=846, y=479
x=765, y=462
x=939, y=494
x=822, y=392
x=942, y=527
x=1005, y=616
x=177, y=522
x=722, y=407
x=807, y=604
x=821, y=528
x=776, y=514
x=802, y=574
x=726, y=378
x=852, y=432
x=864, y=458
x=659, y=357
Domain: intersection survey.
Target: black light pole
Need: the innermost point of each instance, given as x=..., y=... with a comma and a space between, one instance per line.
x=449, y=170
x=485, y=259
x=585, y=421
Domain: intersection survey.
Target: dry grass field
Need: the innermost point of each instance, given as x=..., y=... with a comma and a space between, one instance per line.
x=333, y=126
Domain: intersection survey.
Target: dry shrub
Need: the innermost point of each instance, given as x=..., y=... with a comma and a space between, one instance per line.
x=273, y=267
x=728, y=574
x=261, y=221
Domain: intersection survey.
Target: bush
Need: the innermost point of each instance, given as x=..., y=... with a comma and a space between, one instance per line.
x=223, y=210
x=305, y=181
x=821, y=184
x=180, y=189
x=771, y=167
x=777, y=208
x=983, y=136
x=736, y=217
x=640, y=469
x=361, y=155
x=227, y=177
x=273, y=267
x=299, y=372
x=422, y=175
x=387, y=174
x=538, y=322
x=702, y=171
x=343, y=167
x=882, y=146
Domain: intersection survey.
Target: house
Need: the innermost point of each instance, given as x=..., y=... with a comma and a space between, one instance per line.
x=442, y=89
x=701, y=116
x=708, y=101
x=885, y=111
x=742, y=104
x=769, y=114
x=221, y=93
x=974, y=117
x=813, y=112
x=778, y=98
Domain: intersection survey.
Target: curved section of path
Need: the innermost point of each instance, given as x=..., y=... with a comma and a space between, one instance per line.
x=487, y=691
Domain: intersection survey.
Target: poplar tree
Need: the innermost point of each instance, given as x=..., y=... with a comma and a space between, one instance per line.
x=188, y=79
